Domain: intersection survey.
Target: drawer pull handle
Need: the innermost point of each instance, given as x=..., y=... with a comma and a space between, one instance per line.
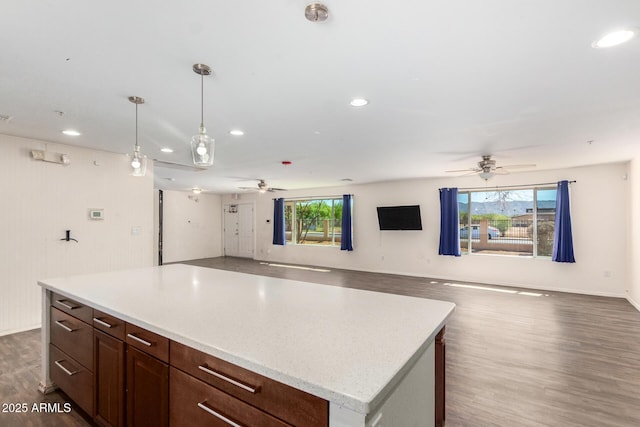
x=66, y=371
x=204, y=407
x=140, y=340
x=227, y=379
x=67, y=306
x=63, y=326
x=102, y=322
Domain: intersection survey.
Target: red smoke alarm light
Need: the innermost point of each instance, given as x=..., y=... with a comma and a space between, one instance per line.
x=286, y=162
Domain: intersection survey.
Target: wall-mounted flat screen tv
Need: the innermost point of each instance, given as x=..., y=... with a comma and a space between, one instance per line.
x=399, y=217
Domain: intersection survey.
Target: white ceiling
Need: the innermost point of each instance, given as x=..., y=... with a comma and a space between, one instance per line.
x=447, y=81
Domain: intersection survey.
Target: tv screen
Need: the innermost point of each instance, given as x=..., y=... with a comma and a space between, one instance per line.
x=399, y=217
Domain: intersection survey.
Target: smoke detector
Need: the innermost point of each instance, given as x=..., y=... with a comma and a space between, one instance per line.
x=316, y=12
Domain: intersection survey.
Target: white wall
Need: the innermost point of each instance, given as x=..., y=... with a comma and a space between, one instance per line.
x=599, y=213
x=192, y=226
x=41, y=200
x=633, y=290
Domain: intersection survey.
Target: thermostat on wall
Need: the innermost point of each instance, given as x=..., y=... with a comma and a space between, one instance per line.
x=96, y=213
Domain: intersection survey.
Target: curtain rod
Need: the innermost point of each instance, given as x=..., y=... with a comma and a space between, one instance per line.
x=511, y=186
x=312, y=197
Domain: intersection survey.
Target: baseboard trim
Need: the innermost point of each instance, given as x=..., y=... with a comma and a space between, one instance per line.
x=634, y=303
x=17, y=330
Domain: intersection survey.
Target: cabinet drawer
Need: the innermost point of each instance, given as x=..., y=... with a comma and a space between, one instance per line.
x=194, y=403
x=74, y=308
x=73, y=378
x=287, y=403
x=72, y=336
x=147, y=341
x=109, y=324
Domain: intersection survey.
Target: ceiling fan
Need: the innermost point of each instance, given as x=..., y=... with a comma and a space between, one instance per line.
x=487, y=168
x=262, y=187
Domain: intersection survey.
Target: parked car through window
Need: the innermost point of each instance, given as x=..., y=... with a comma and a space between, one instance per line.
x=493, y=232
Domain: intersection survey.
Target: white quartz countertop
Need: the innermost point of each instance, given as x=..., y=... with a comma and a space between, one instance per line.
x=344, y=345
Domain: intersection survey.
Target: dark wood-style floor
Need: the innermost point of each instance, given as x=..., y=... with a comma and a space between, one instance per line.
x=515, y=357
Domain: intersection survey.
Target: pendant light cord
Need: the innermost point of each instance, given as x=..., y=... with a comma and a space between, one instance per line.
x=201, y=100
x=137, y=125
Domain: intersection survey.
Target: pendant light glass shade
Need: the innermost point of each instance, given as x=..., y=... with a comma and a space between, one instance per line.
x=138, y=160
x=202, y=145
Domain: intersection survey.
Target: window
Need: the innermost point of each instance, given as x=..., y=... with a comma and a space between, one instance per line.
x=313, y=221
x=508, y=222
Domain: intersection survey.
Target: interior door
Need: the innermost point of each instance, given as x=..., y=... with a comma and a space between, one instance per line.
x=231, y=230
x=245, y=231
x=238, y=230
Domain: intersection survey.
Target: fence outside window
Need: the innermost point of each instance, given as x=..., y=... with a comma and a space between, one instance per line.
x=508, y=222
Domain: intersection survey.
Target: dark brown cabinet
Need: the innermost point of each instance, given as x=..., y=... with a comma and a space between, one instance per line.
x=71, y=350
x=109, y=358
x=197, y=404
x=119, y=374
x=147, y=390
x=75, y=379
x=293, y=406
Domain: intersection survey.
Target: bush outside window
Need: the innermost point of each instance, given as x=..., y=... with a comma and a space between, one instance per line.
x=313, y=221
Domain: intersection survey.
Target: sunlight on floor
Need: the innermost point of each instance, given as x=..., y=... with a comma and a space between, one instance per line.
x=297, y=267
x=487, y=288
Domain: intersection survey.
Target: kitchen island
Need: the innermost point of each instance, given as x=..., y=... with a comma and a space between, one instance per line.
x=369, y=356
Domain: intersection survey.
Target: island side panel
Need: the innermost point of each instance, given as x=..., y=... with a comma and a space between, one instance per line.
x=411, y=402
x=46, y=385
x=440, y=368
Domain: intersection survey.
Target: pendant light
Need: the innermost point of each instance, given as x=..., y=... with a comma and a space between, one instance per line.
x=202, y=145
x=138, y=160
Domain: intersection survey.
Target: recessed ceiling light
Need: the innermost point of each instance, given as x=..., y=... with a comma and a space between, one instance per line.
x=196, y=190
x=71, y=132
x=615, y=38
x=166, y=150
x=358, y=102
x=236, y=132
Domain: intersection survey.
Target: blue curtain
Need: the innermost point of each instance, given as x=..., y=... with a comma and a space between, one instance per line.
x=346, y=243
x=449, y=222
x=278, y=222
x=563, y=239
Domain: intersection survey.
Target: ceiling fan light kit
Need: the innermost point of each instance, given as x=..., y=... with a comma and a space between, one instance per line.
x=262, y=187
x=487, y=168
x=138, y=160
x=202, y=145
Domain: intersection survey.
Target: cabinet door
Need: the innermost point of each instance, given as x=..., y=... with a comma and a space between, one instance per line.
x=147, y=390
x=108, y=373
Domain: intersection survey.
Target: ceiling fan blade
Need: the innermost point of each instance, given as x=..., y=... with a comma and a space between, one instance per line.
x=519, y=166
x=471, y=170
x=180, y=166
x=276, y=189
